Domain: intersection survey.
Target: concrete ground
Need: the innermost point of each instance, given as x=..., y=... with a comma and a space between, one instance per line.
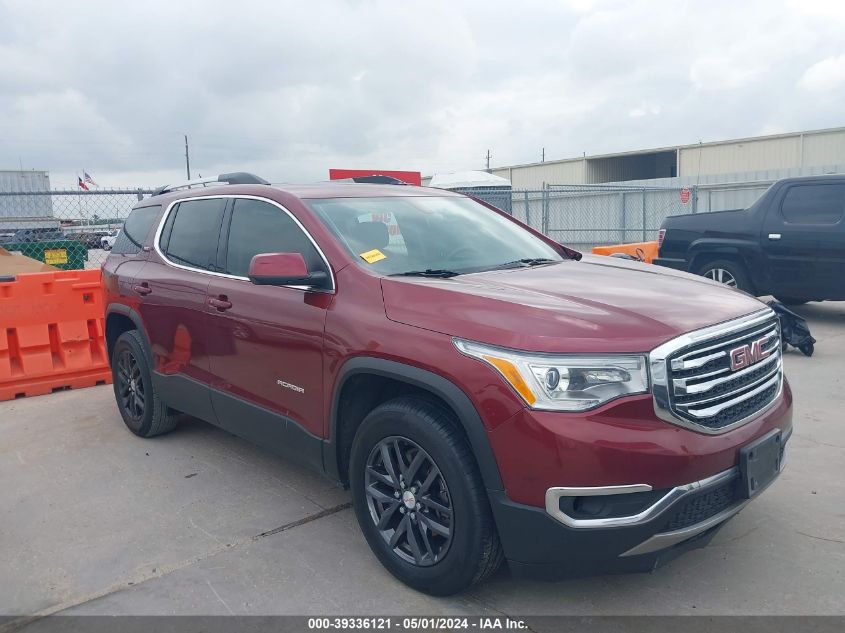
x=96, y=521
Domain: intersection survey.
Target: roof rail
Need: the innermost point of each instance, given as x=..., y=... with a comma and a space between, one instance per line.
x=234, y=178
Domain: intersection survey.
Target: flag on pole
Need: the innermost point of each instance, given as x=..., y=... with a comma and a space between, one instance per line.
x=82, y=184
x=87, y=178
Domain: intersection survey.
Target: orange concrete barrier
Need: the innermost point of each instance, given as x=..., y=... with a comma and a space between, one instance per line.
x=645, y=251
x=51, y=333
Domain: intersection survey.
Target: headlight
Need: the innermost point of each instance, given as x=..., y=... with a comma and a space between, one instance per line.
x=564, y=382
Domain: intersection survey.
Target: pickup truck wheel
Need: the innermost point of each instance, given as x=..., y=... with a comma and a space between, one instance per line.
x=141, y=408
x=726, y=272
x=792, y=301
x=419, y=498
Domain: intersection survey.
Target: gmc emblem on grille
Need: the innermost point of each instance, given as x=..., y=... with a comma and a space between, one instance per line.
x=747, y=355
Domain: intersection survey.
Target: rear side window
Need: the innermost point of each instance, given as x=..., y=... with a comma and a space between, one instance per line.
x=814, y=204
x=260, y=227
x=194, y=232
x=135, y=230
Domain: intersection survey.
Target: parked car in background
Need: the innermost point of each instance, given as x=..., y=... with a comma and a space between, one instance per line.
x=486, y=393
x=91, y=239
x=25, y=236
x=790, y=243
x=107, y=242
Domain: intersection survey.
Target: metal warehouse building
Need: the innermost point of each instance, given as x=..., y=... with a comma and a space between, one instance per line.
x=777, y=156
x=25, y=211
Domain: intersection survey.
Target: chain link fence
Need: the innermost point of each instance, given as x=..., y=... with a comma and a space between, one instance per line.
x=66, y=229
x=75, y=229
x=583, y=216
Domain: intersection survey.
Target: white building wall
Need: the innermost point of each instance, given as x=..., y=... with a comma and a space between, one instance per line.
x=741, y=156
x=799, y=150
x=533, y=176
x=825, y=148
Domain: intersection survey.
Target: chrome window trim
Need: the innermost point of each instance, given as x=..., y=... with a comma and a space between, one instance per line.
x=659, y=380
x=553, y=496
x=234, y=196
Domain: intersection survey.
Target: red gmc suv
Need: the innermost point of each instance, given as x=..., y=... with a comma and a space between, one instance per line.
x=485, y=392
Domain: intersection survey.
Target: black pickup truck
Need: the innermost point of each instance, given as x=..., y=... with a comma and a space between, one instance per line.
x=790, y=243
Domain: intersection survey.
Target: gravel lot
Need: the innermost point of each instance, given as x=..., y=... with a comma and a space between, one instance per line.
x=96, y=521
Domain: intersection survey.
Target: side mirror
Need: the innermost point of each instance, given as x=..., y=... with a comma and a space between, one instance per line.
x=283, y=269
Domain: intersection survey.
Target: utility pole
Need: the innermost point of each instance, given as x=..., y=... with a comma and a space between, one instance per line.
x=488, y=161
x=187, y=158
x=543, y=156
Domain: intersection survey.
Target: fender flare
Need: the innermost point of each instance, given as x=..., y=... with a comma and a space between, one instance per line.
x=713, y=248
x=124, y=310
x=747, y=252
x=449, y=392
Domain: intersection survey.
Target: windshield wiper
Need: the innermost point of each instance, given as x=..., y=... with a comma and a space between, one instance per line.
x=523, y=263
x=428, y=272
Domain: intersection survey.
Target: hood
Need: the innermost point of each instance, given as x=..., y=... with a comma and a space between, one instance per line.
x=598, y=304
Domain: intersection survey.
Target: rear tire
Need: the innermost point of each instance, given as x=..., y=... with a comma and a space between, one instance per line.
x=142, y=410
x=792, y=301
x=420, y=500
x=727, y=272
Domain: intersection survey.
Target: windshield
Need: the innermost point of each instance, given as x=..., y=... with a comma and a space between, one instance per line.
x=438, y=234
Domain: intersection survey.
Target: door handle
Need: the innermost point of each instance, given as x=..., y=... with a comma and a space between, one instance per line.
x=222, y=303
x=774, y=236
x=142, y=289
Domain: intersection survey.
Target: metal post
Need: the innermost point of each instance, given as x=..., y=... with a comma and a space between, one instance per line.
x=623, y=223
x=526, y=207
x=694, y=198
x=545, y=225
x=645, y=234
x=187, y=158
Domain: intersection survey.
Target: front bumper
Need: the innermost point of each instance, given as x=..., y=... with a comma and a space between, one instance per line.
x=549, y=543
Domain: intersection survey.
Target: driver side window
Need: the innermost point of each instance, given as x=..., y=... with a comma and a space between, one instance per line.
x=260, y=227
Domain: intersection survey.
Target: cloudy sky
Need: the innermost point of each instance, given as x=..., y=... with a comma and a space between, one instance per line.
x=290, y=89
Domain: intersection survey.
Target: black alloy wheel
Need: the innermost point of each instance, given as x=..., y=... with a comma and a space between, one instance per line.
x=141, y=407
x=419, y=497
x=409, y=501
x=130, y=385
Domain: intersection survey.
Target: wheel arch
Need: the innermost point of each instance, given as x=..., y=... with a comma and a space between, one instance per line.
x=702, y=253
x=119, y=319
x=404, y=379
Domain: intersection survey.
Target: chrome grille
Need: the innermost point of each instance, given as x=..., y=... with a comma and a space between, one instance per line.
x=697, y=385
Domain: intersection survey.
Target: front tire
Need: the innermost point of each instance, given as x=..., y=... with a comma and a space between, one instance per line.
x=142, y=410
x=727, y=272
x=419, y=498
